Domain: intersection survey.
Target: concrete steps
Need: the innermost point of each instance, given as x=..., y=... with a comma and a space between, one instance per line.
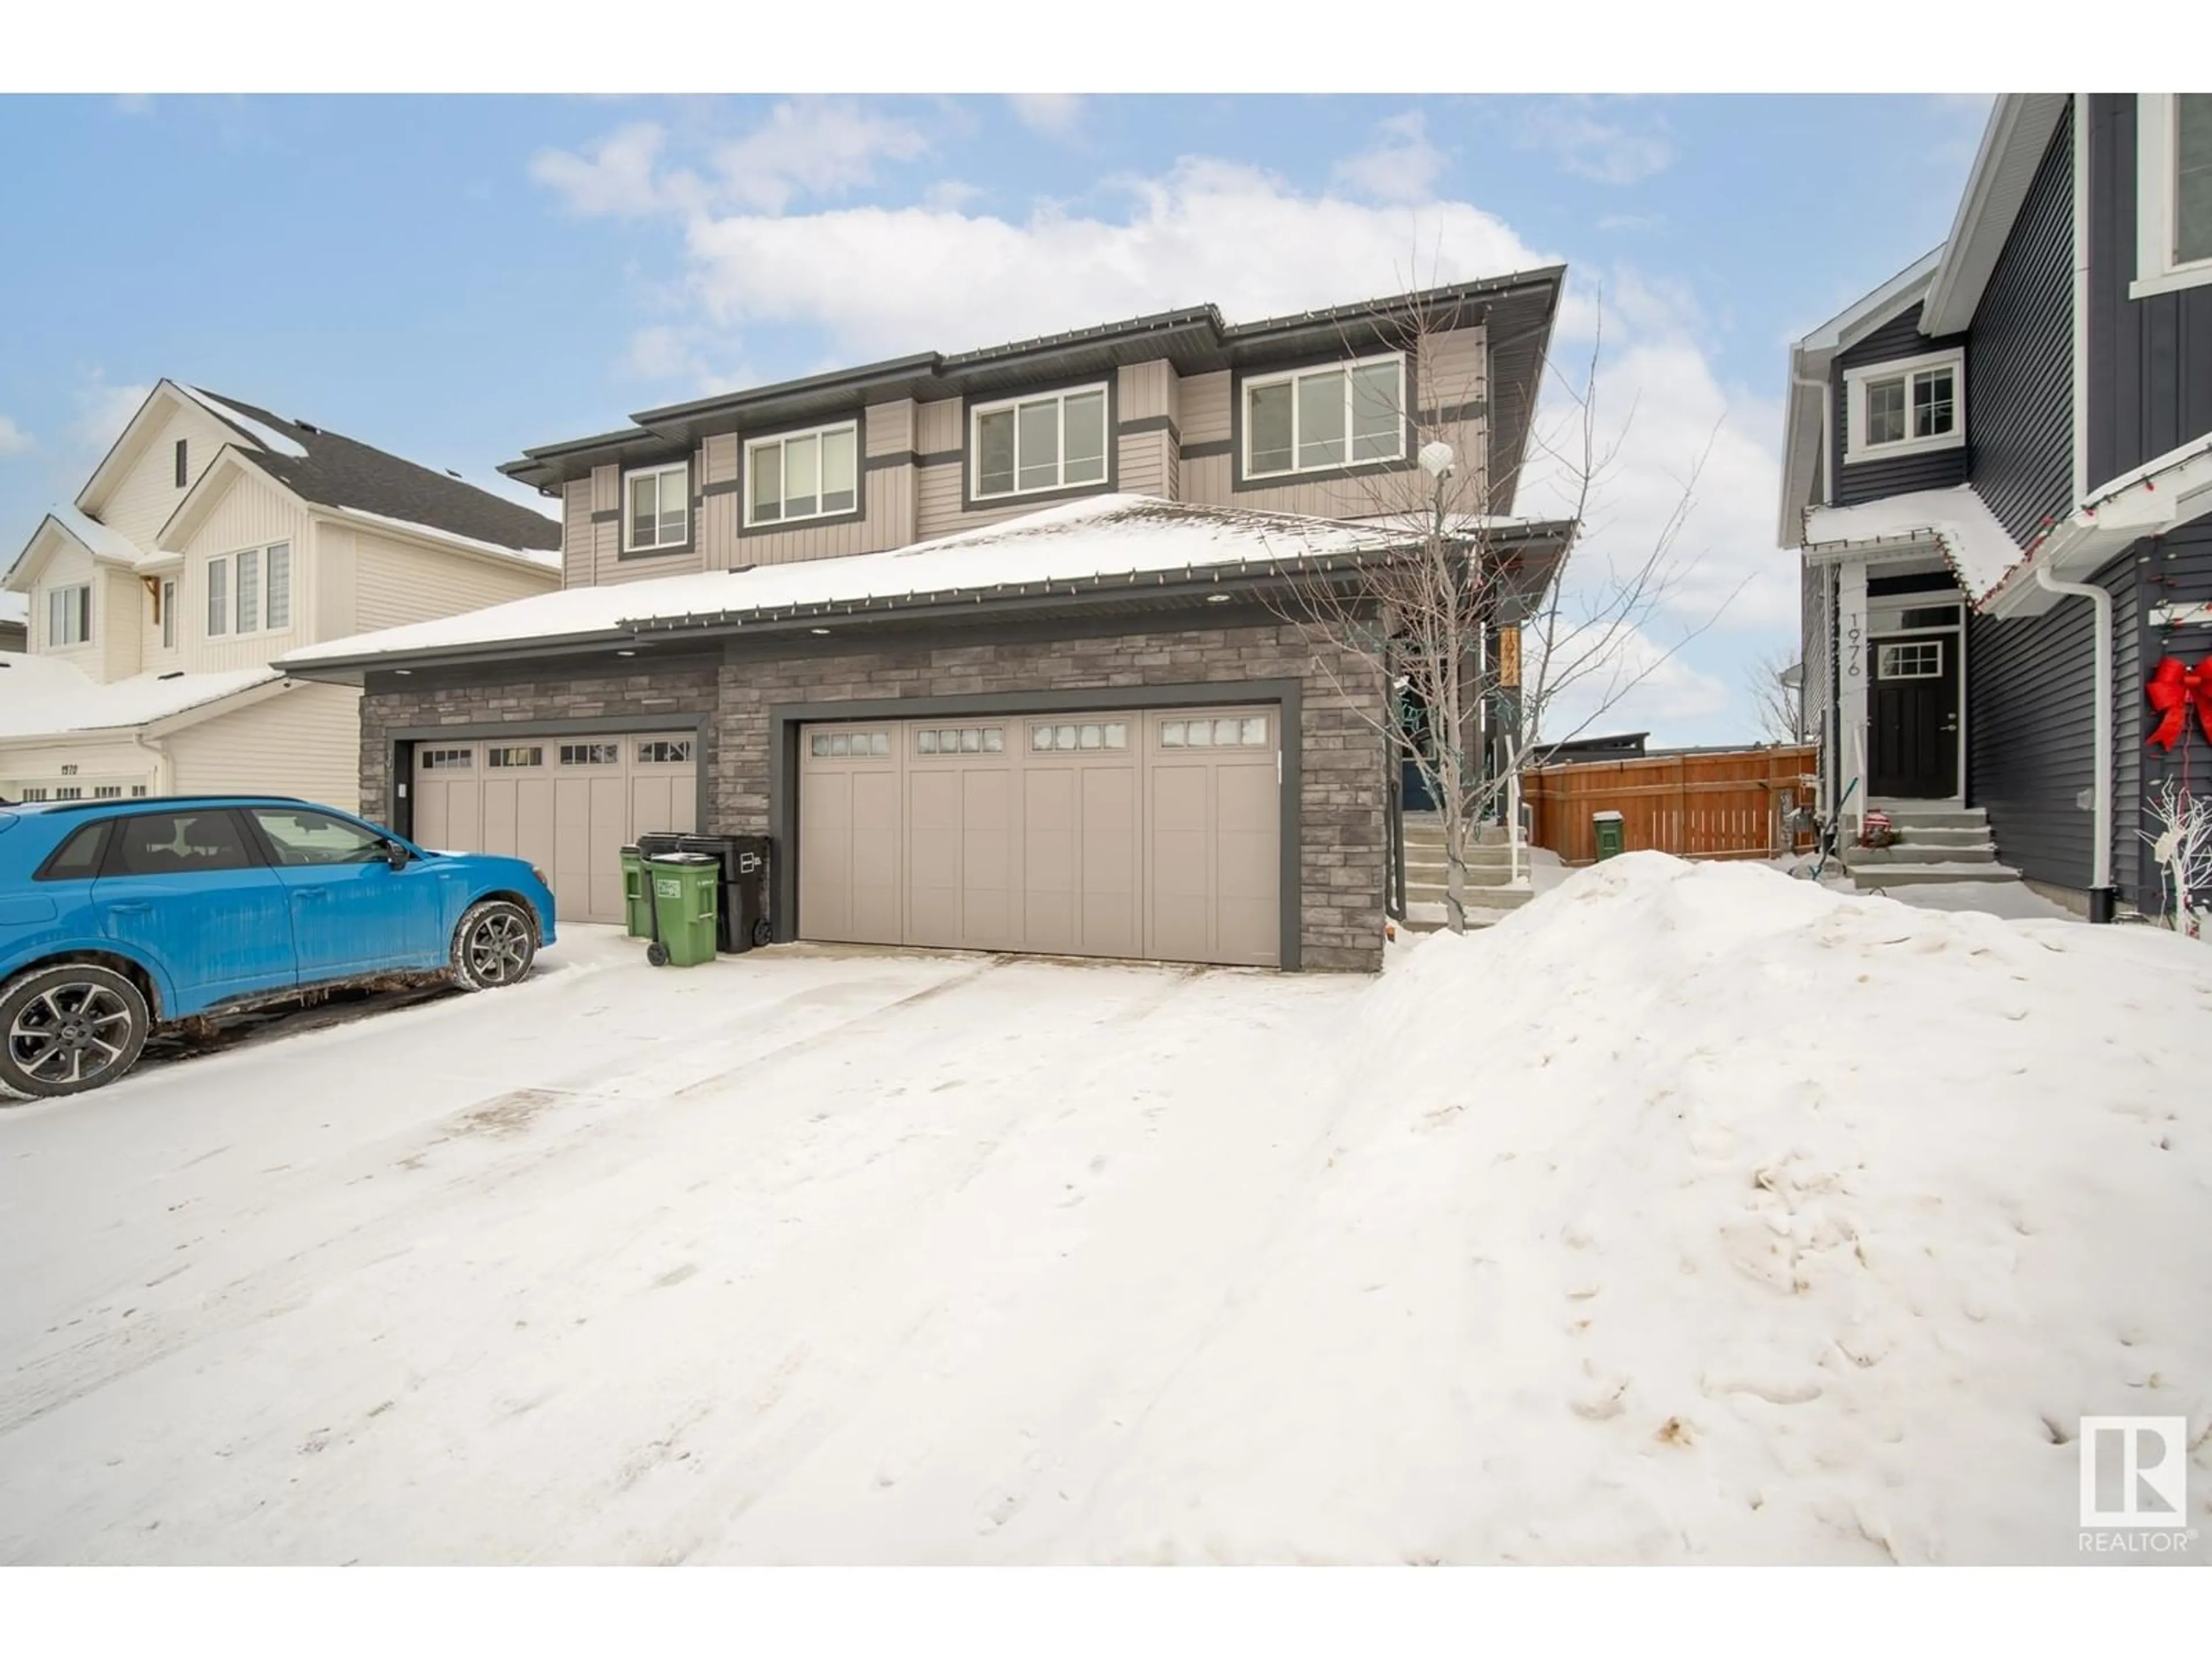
x=1935, y=844
x=1489, y=870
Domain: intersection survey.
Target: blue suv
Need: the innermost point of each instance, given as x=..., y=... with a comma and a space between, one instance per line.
x=119, y=915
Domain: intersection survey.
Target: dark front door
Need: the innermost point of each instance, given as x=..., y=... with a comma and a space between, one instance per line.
x=1914, y=747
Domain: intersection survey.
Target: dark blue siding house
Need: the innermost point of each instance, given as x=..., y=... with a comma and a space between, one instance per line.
x=1998, y=477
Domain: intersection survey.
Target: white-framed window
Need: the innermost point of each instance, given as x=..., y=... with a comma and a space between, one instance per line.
x=448, y=760
x=1909, y=660
x=843, y=744
x=1223, y=732
x=664, y=751
x=657, y=507
x=1020, y=446
x=1080, y=734
x=591, y=754
x=248, y=592
x=2173, y=192
x=515, y=755
x=958, y=740
x=69, y=614
x=1321, y=420
x=35, y=792
x=168, y=604
x=108, y=792
x=1905, y=408
x=802, y=475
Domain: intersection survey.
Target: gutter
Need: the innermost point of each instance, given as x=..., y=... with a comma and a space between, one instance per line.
x=2100, y=852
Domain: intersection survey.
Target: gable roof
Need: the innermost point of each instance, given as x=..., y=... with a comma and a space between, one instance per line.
x=328, y=469
x=105, y=545
x=2013, y=145
x=1518, y=308
x=1136, y=547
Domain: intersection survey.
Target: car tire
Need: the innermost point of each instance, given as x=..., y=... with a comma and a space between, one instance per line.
x=69, y=1028
x=493, y=946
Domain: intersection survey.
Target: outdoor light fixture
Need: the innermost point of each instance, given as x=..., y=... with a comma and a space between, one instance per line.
x=1436, y=458
x=625, y=653
x=817, y=631
x=1217, y=598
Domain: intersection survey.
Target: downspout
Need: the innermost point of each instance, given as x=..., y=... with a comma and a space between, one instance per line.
x=1830, y=764
x=160, y=756
x=2100, y=852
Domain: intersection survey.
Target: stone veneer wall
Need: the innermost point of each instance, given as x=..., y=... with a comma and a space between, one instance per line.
x=1341, y=808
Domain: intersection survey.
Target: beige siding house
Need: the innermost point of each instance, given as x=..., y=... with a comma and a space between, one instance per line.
x=988, y=643
x=212, y=539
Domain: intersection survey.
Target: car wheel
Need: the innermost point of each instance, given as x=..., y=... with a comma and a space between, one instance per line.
x=67, y=1029
x=493, y=946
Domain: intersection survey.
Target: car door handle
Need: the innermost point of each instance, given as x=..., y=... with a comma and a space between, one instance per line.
x=303, y=894
x=130, y=909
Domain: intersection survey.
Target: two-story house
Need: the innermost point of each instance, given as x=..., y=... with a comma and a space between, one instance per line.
x=213, y=539
x=1998, y=470
x=991, y=643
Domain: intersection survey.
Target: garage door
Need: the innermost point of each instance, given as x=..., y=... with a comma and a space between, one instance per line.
x=1116, y=834
x=568, y=805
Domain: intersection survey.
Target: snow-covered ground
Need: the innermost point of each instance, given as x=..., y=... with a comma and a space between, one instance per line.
x=1691, y=1213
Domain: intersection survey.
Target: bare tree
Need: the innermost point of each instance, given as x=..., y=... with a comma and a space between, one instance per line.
x=1497, y=643
x=1777, y=697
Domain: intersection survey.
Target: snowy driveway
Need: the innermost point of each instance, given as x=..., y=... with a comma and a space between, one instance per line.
x=1690, y=1213
x=797, y=1256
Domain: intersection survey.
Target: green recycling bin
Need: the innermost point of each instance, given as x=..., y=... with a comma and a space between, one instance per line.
x=1612, y=837
x=684, y=892
x=637, y=898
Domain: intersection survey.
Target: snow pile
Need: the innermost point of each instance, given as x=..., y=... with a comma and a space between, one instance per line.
x=1694, y=1212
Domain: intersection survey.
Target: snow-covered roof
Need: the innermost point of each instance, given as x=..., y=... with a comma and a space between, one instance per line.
x=1978, y=549
x=234, y=417
x=545, y=558
x=42, y=696
x=1101, y=539
x=14, y=607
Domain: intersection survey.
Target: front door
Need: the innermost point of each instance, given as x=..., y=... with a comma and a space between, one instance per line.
x=1912, y=750
x=352, y=913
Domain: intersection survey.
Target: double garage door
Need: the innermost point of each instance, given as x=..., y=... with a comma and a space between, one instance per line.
x=568, y=805
x=1142, y=834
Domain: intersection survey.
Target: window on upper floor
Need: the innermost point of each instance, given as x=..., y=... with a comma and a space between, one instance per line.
x=69, y=614
x=2173, y=192
x=1905, y=408
x=182, y=473
x=802, y=475
x=166, y=603
x=1022, y=446
x=248, y=592
x=1321, y=420
x=657, y=508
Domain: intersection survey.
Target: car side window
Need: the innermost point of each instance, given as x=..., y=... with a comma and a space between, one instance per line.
x=301, y=838
x=179, y=843
x=77, y=858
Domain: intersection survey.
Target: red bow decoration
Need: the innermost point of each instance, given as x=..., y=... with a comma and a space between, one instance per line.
x=2172, y=689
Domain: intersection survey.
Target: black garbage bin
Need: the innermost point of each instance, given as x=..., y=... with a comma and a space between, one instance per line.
x=743, y=915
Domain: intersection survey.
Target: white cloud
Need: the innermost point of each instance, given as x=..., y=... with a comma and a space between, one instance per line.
x=13, y=440
x=812, y=146
x=618, y=176
x=103, y=411
x=1057, y=113
x=1624, y=222
x=1403, y=165
x=1610, y=152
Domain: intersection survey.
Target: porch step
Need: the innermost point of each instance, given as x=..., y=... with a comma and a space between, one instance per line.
x=1426, y=911
x=1919, y=850
x=1908, y=815
x=1873, y=877
x=1926, y=835
x=1478, y=857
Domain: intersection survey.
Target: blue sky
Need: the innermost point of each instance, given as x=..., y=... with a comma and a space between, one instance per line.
x=457, y=278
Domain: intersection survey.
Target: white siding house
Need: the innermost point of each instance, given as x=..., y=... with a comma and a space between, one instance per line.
x=213, y=538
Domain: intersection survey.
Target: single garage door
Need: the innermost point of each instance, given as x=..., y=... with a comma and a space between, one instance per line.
x=568, y=805
x=1115, y=834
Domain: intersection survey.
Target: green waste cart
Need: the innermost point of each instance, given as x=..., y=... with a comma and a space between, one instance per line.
x=637, y=898
x=1612, y=837
x=684, y=892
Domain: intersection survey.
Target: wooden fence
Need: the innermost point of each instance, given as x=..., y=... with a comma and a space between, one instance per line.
x=1723, y=805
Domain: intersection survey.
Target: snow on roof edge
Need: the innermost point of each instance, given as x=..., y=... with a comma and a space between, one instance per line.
x=1099, y=537
x=1980, y=551
x=263, y=433
x=44, y=683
